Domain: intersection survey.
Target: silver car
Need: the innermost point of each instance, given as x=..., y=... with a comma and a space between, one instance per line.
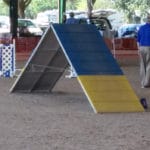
x=30, y=26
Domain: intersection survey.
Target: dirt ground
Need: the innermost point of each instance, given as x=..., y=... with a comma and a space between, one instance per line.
x=64, y=119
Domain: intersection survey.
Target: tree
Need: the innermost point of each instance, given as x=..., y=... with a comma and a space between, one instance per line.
x=90, y=5
x=22, y=5
x=72, y=4
x=37, y=6
x=98, y=4
x=143, y=6
x=101, y=4
x=4, y=8
x=42, y=5
x=129, y=7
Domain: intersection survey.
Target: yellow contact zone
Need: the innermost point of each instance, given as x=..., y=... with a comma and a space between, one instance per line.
x=110, y=93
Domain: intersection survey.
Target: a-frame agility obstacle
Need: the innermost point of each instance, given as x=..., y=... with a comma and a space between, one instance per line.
x=98, y=73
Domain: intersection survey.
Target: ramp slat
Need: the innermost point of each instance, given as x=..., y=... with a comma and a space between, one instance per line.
x=110, y=93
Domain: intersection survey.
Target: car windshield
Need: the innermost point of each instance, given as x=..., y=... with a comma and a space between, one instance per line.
x=25, y=23
x=101, y=23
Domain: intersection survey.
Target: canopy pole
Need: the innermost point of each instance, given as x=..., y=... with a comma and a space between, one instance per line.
x=62, y=9
x=13, y=13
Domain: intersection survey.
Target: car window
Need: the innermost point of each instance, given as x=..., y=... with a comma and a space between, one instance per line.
x=101, y=23
x=2, y=24
x=25, y=23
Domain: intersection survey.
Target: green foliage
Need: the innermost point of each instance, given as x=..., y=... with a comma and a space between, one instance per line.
x=72, y=4
x=22, y=5
x=129, y=7
x=101, y=4
x=6, y=1
x=4, y=8
x=82, y=5
x=143, y=6
x=37, y=6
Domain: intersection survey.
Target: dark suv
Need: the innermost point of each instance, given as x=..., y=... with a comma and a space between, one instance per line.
x=102, y=24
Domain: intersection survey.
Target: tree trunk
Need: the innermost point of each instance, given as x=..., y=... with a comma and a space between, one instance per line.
x=21, y=9
x=90, y=4
x=22, y=5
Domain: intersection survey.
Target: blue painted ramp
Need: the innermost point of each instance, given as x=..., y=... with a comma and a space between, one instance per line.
x=86, y=50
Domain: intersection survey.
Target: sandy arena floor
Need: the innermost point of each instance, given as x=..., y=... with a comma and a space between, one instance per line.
x=64, y=120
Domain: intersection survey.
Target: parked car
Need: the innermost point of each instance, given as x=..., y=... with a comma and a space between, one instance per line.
x=4, y=24
x=23, y=25
x=102, y=23
x=44, y=19
x=128, y=30
x=4, y=28
x=28, y=26
x=99, y=18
